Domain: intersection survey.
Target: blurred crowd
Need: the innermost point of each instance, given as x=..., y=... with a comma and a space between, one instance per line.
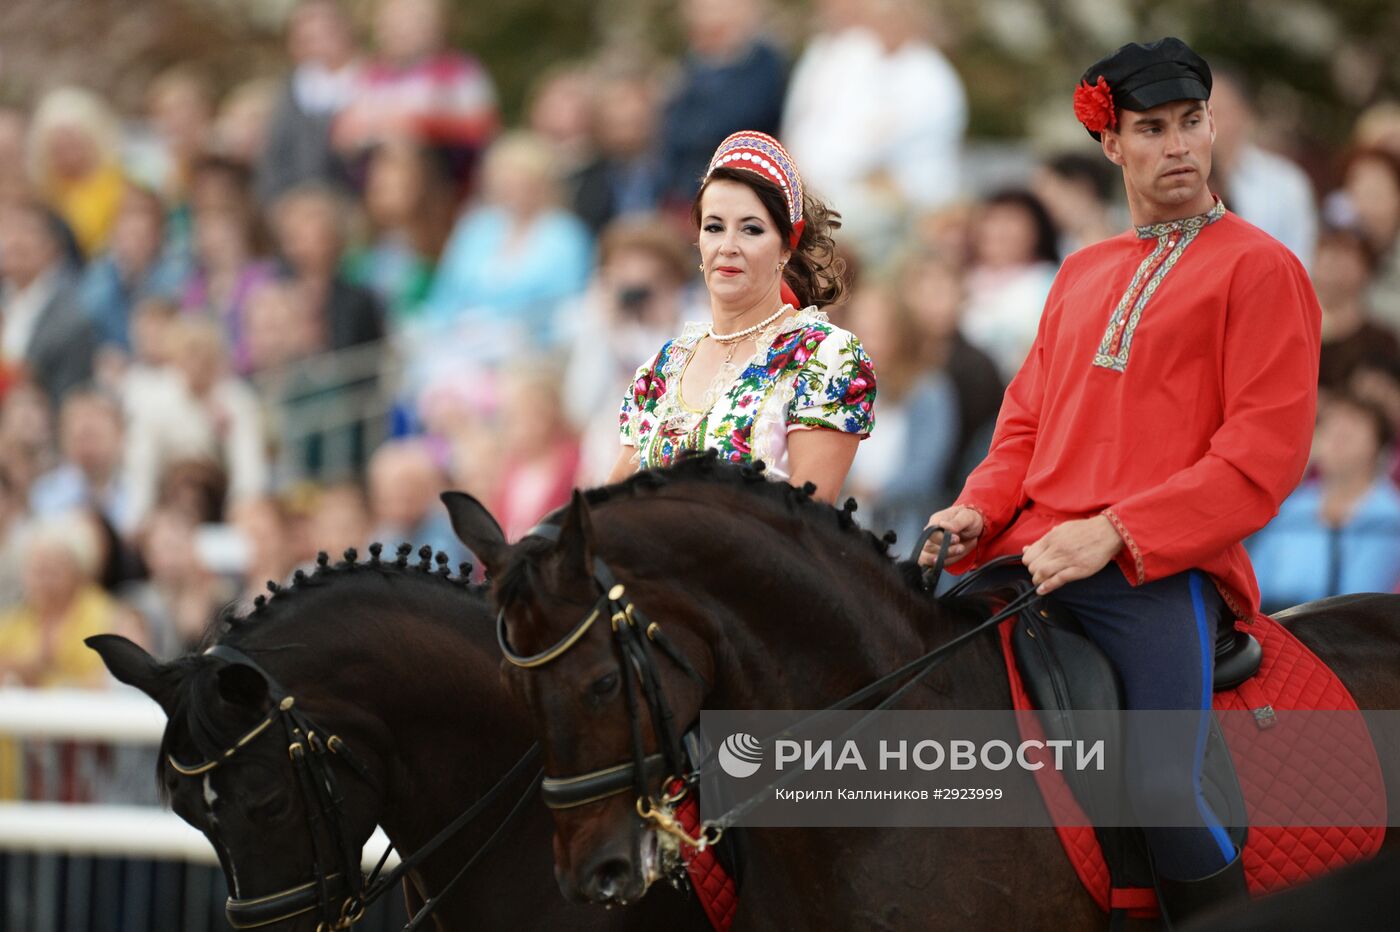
x=247, y=324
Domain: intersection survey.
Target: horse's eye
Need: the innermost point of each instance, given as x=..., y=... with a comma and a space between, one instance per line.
x=605, y=686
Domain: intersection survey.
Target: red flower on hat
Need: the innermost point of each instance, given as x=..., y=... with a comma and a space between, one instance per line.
x=1093, y=106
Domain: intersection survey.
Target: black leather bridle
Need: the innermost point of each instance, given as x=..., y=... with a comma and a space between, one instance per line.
x=339, y=898
x=634, y=634
x=632, y=631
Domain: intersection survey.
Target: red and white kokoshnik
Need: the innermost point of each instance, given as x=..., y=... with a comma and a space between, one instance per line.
x=765, y=156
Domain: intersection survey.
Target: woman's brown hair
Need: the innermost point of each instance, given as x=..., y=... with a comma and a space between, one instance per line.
x=814, y=272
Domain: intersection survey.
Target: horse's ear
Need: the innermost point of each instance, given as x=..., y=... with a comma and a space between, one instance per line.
x=576, y=536
x=476, y=528
x=241, y=685
x=132, y=665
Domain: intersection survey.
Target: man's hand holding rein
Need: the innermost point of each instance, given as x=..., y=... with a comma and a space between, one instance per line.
x=1073, y=550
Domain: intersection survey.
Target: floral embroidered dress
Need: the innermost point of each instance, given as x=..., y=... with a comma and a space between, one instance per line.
x=804, y=374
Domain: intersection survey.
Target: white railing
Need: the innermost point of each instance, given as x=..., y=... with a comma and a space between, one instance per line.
x=121, y=716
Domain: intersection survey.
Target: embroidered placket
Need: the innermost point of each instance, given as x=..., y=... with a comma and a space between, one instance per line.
x=1172, y=239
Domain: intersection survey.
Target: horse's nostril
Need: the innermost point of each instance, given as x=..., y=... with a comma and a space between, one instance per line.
x=612, y=876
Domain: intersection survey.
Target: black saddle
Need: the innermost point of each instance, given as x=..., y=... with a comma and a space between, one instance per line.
x=1077, y=693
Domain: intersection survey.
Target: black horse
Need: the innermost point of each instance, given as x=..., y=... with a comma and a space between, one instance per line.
x=777, y=602
x=395, y=664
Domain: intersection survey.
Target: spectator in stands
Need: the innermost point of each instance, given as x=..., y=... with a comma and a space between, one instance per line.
x=325, y=71
x=283, y=327
x=931, y=285
x=74, y=163
x=315, y=410
x=732, y=78
x=227, y=251
x=876, y=115
x=1015, y=257
x=404, y=484
x=1378, y=127
x=624, y=177
x=410, y=207
x=417, y=86
x=904, y=473
x=180, y=111
x=244, y=121
x=512, y=260
x=1340, y=531
x=26, y=438
x=1077, y=191
x=89, y=471
x=560, y=110
x=180, y=596
x=1341, y=273
x=199, y=411
x=152, y=324
x=461, y=423
x=312, y=225
x=540, y=454
x=263, y=524
x=1376, y=380
x=44, y=331
x=197, y=486
x=135, y=265
x=340, y=519
x=635, y=301
x=1261, y=186
x=41, y=640
x=1370, y=201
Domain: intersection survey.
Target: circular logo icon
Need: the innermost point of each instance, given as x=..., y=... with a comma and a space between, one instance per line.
x=740, y=755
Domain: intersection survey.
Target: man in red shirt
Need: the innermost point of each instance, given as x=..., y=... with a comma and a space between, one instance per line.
x=1162, y=415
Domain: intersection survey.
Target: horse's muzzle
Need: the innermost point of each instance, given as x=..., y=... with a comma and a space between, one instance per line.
x=612, y=877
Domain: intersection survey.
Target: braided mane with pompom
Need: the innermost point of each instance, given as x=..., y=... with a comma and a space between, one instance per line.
x=707, y=470
x=430, y=565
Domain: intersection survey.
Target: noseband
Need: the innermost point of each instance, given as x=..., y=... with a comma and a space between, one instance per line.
x=634, y=634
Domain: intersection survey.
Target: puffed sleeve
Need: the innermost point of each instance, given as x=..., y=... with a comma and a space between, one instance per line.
x=640, y=399
x=835, y=387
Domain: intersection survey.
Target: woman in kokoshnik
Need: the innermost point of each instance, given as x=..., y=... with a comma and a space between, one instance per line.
x=768, y=377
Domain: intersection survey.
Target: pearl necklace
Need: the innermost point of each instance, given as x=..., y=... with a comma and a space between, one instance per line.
x=738, y=335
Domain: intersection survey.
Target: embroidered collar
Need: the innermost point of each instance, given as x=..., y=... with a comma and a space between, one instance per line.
x=671, y=410
x=1184, y=225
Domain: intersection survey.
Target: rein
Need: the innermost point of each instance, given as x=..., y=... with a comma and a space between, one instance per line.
x=628, y=625
x=324, y=803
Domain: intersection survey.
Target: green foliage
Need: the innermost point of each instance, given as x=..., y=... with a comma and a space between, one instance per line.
x=521, y=40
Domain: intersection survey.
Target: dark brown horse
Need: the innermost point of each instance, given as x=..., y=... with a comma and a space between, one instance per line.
x=782, y=603
x=399, y=662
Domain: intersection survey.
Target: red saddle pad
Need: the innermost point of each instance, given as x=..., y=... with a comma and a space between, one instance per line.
x=1290, y=677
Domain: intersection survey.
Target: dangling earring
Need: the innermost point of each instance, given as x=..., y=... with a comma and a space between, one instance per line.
x=781, y=266
x=701, y=267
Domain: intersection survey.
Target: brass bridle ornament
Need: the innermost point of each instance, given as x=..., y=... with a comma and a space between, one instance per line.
x=310, y=757
x=634, y=634
x=323, y=801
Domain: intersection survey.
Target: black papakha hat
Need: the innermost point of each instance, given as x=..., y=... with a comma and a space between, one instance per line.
x=1140, y=77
